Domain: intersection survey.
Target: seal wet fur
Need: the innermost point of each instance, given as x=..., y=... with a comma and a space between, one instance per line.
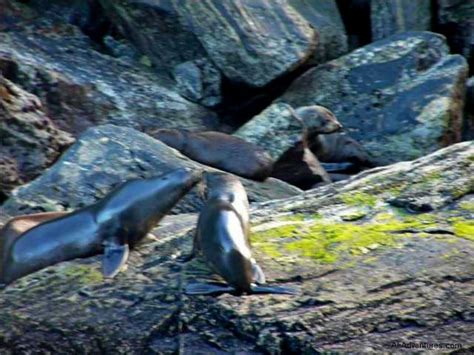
x=113, y=225
x=220, y=150
x=222, y=236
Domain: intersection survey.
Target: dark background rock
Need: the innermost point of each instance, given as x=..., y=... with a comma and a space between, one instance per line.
x=108, y=155
x=468, y=127
x=29, y=140
x=401, y=97
x=390, y=17
x=456, y=22
x=80, y=87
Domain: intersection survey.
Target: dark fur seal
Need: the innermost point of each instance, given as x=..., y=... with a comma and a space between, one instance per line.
x=222, y=236
x=112, y=225
x=219, y=150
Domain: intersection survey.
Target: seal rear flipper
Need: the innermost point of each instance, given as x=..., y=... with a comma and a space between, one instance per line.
x=115, y=256
x=281, y=290
x=207, y=289
x=258, y=275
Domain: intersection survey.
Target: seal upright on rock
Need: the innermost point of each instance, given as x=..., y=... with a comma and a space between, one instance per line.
x=222, y=236
x=219, y=150
x=112, y=225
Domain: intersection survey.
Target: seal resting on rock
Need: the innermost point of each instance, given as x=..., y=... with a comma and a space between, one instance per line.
x=219, y=150
x=113, y=225
x=222, y=236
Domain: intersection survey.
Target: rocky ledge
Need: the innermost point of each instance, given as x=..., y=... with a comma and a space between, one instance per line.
x=382, y=259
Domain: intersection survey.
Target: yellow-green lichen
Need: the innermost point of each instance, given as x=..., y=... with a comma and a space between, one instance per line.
x=326, y=242
x=358, y=199
x=467, y=206
x=463, y=228
x=86, y=274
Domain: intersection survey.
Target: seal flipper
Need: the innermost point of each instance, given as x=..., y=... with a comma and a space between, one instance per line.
x=281, y=290
x=207, y=289
x=115, y=256
x=258, y=275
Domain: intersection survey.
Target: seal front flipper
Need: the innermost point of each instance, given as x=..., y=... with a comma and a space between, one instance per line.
x=207, y=289
x=258, y=275
x=115, y=256
x=281, y=290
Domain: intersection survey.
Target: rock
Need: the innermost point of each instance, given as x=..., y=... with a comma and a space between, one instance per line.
x=30, y=141
x=234, y=35
x=324, y=242
x=391, y=17
x=325, y=17
x=80, y=87
x=356, y=17
x=106, y=156
x=468, y=126
x=401, y=97
x=199, y=81
x=456, y=22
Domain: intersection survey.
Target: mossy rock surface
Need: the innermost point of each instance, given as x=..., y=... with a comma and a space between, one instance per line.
x=389, y=274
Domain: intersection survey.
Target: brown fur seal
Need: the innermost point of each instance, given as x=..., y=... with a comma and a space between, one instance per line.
x=222, y=236
x=302, y=168
x=112, y=225
x=219, y=150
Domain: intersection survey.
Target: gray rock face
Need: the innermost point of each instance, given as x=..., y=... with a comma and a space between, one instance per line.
x=199, y=81
x=324, y=242
x=456, y=22
x=325, y=17
x=390, y=17
x=236, y=36
x=106, y=156
x=401, y=97
x=80, y=87
x=29, y=141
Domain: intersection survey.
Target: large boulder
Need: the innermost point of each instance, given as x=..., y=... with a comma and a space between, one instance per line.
x=236, y=36
x=80, y=87
x=456, y=22
x=401, y=97
x=104, y=157
x=391, y=17
x=371, y=277
x=30, y=141
x=325, y=17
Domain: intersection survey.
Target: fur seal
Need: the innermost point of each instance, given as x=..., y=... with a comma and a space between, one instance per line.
x=112, y=225
x=219, y=150
x=222, y=236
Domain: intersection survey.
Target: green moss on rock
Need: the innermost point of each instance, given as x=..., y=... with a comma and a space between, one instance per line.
x=86, y=274
x=359, y=199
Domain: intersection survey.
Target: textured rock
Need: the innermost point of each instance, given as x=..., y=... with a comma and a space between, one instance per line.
x=325, y=243
x=401, y=97
x=456, y=22
x=80, y=87
x=107, y=155
x=29, y=142
x=199, y=81
x=235, y=35
x=390, y=17
x=325, y=17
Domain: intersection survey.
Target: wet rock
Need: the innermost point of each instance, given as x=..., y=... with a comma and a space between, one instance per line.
x=106, y=156
x=325, y=17
x=456, y=22
x=324, y=243
x=235, y=36
x=199, y=81
x=81, y=87
x=30, y=141
x=401, y=97
x=391, y=17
